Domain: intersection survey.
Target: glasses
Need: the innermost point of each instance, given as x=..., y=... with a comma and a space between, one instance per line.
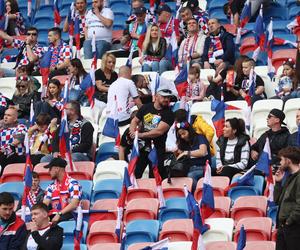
x=31, y=34
x=21, y=86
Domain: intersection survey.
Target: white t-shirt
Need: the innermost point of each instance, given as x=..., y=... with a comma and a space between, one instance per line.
x=31, y=244
x=93, y=23
x=123, y=89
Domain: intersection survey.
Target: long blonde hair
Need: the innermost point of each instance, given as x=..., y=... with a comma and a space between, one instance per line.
x=147, y=40
x=105, y=58
x=29, y=86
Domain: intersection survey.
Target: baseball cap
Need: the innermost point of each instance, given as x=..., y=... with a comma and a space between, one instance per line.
x=278, y=114
x=162, y=8
x=164, y=92
x=141, y=10
x=56, y=162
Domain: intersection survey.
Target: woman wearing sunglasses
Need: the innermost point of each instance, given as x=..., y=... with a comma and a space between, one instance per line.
x=23, y=96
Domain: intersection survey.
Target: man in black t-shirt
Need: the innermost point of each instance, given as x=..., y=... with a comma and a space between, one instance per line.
x=156, y=120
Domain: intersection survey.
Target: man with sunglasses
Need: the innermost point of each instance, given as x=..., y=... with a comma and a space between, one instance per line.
x=29, y=50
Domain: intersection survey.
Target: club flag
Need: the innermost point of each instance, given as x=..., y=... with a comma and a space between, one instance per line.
x=172, y=49
x=78, y=228
x=247, y=179
x=57, y=17
x=207, y=204
x=87, y=86
x=45, y=68
x=199, y=227
x=26, y=201
x=158, y=180
x=133, y=159
x=77, y=35
x=269, y=42
x=244, y=19
x=71, y=24
x=181, y=81
x=242, y=239
x=160, y=245
x=294, y=24
x=259, y=33
x=298, y=136
x=152, y=3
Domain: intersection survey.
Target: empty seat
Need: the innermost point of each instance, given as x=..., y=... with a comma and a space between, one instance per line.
x=249, y=206
x=255, y=245
x=279, y=56
x=87, y=187
x=220, y=245
x=102, y=232
x=221, y=229
x=175, y=188
x=290, y=109
x=13, y=172
x=222, y=207
x=15, y=188
x=141, y=209
x=146, y=188
x=107, y=189
x=68, y=227
x=110, y=170
x=105, y=209
x=219, y=183
x=176, y=208
x=204, y=109
x=257, y=228
x=177, y=230
x=106, y=246
x=238, y=113
x=106, y=149
x=70, y=246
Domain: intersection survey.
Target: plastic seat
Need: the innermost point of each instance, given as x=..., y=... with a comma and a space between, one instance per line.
x=146, y=188
x=87, y=187
x=204, y=109
x=257, y=228
x=254, y=245
x=7, y=87
x=102, y=232
x=113, y=169
x=106, y=246
x=222, y=207
x=15, y=188
x=279, y=56
x=68, y=227
x=248, y=45
x=220, y=245
x=290, y=109
x=107, y=210
x=175, y=189
x=141, y=231
x=141, y=209
x=235, y=113
x=219, y=183
x=70, y=246
x=177, y=230
x=276, y=12
x=176, y=208
x=221, y=229
x=13, y=172
x=249, y=206
x=107, y=189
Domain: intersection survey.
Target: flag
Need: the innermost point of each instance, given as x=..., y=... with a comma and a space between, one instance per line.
x=78, y=228
x=269, y=42
x=45, y=70
x=259, y=33
x=244, y=19
x=134, y=158
x=71, y=24
x=248, y=97
x=27, y=181
x=158, y=180
x=199, y=227
x=129, y=60
x=181, y=81
x=29, y=8
x=87, y=86
x=77, y=35
x=121, y=202
x=152, y=3
x=242, y=239
x=172, y=49
x=264, y=164
x=3, y=17
x=207, y=204
x=160, y=245
x=57, y=17
x=294, y=24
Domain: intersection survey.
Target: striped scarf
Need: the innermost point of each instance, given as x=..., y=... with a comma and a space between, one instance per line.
x=215, y=48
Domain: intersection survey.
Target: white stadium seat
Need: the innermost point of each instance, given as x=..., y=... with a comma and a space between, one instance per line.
x=8, y=86
x=221, y=229
x=110, y=169
x=290, y=109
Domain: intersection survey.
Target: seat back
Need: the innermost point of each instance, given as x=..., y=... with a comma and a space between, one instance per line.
x=102, y=232
x=220, y=245
x=175, y=188
x=221, y=229
x=110, y=170
x=107, y=189
x=13, y=172
x=106, y=246
x=146, y=188
x=254, y=245
x=177, y=230
x=219, y=183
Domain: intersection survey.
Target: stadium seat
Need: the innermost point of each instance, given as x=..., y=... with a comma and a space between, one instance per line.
x=204, y=109
x=279, y=56
x=139, y=246
x=257, y=228
x=204, y=73
x=249, y=206
x=241, y=113
x=106, y=246
x=279, y=27
x=7, y=88
x=120, y=7
x=175, y=188
x=70, y=246
x=105, y=209
x=290, y=109
x=13, y=172
x=220, y=245
x=105, y=151
x=176, y=208
x=178, y=245
x=68, y=227
x=111, y=169
x=103, y=231
x=62, y=79
x=219, y=183
x=8, y=54
x=146, y=188
x=221, y=229
x=293, y=12
x=222, y=207
x=169, y=75
x=43, y=11
x=276, y=12
x=107, y=189
x=141, y=209
x=136, y=66
x=248, y=44
x=15, y=188
x=141, y=231
x=254, y=245
x=219, y=13
x=45, y=184
x=87, y=187
x=274, y=235
x=177, y=230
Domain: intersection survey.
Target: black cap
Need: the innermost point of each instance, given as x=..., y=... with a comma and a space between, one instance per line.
x=138, y=11
x=56, y=162
x=278, y=114
x=192, y=4
x=162, y=8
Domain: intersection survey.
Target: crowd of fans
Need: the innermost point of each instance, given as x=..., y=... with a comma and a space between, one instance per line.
x=203, y=44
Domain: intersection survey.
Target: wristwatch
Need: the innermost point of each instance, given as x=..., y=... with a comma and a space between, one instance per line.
x=59, y=213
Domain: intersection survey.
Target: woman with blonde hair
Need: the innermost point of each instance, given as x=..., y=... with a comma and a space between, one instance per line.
x=154, y=50
x=105, y=76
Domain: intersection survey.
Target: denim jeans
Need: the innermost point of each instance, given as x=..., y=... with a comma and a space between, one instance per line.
x=195, y=172
x=159, y=67
x=75, y=157
x=101, y=47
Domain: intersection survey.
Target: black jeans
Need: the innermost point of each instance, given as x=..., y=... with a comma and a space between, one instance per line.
x=14, y=158
x=229, y=172
x=288, y=237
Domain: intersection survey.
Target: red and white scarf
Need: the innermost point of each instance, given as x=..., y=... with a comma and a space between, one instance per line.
x=215, y=48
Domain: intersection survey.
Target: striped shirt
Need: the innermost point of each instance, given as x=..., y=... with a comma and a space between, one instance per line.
x=229, y=155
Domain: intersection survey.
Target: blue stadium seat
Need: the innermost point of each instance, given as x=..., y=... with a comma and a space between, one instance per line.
x=141, y=231
x=67, y=2
x=87, y=187
x=107, y=189
x=70, y=246
x=15, y=188
x=44, y=11
x=293, y=11
x=64, y=13
x=279, y=27
x=68, y=227
x=44, y=184
x=176, y=208
x=112, y=2
x=261, y=59
x=43, y=23
x=105, y=151
x=219, y=13
x=289, y=37
x=276, y=12
x=282, y=2
x=8, y=52
x=291, y=4
x=120, y=7
x=215, y=4
x=43, y=37
x=272, y=213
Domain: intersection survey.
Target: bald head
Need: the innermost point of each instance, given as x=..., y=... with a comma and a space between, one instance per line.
x=125, y=72
x=10, y=116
